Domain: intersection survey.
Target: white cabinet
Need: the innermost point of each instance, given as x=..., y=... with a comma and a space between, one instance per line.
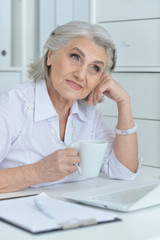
x=122, y=10
x=5, y=30
x=58, y=12
x=19, y=32
x=137, y=42
x=135, y=28
x=149, y=139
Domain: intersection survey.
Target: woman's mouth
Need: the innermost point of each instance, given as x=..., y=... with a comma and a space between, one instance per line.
x=73, y=85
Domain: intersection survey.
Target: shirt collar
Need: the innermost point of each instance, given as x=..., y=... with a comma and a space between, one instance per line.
x=77, y=108
x=44, y=108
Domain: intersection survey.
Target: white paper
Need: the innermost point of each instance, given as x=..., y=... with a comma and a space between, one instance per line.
x=23, y=213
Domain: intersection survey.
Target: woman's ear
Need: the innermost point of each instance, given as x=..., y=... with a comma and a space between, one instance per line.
x=49, y=58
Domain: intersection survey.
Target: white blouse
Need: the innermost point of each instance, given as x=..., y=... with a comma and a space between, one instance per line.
x=29, y=130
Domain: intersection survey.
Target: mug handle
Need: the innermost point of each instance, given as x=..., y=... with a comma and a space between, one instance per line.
x=79, y=169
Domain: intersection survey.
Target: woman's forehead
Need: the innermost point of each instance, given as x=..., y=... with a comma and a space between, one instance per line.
x=88, y=48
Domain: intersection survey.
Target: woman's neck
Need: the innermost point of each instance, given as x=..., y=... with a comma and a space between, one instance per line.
x=61, y=105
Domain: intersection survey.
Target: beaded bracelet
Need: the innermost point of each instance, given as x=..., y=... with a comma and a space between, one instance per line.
x=126, y=132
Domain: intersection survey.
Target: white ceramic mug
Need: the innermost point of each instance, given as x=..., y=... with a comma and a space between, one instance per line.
x=91, y=154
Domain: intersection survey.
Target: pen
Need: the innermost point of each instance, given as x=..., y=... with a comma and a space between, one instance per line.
x=41, y=207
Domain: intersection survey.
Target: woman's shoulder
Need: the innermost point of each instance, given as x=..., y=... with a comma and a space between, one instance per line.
x=15, y=101
x=21, y=92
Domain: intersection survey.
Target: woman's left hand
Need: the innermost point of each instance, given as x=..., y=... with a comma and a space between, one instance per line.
x=109, y=87
x=125, y=147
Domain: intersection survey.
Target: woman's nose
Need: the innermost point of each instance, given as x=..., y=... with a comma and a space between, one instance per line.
x=80, y=73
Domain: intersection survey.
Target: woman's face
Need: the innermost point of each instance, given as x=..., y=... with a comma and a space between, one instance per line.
x=76, y=69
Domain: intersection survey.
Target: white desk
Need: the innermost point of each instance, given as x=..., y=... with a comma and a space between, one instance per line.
x=143, y=224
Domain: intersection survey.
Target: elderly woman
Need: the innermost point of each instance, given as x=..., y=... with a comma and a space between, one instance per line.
x=40, y=119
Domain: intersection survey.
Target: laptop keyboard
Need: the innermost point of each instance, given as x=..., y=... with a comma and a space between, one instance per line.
x=126, y=196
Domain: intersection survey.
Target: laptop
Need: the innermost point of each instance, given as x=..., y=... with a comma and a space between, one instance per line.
x=124, y=197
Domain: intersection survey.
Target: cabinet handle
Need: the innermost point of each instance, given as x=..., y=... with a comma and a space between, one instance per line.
x=128, y=44
x=3, y=52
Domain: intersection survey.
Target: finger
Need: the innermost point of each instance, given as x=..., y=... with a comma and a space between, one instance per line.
x=71, y=151
x=73, y=160
x=99, y=89
x=90, y=98
x=99, y=96
x=71, y=169
x=95, y=97
x=103, y=88
x=94, y=100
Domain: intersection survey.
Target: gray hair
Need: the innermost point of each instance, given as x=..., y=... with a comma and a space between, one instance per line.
x=64, y=34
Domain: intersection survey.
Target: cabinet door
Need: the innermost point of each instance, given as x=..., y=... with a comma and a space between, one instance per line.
x=138, y=42
x=5, y=32
x=58, y=12
x=143, y=89
x=148, y=139
x=126, y=9
x=8, y=79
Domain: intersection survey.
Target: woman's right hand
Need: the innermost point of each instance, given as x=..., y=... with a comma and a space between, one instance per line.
x=57, y=165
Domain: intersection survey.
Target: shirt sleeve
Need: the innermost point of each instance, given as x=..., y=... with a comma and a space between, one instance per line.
x=111, y=166
x=8, y=122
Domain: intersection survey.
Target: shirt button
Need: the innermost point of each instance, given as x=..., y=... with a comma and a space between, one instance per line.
x=29, y=108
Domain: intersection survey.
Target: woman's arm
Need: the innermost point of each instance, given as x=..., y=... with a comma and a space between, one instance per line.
x=52, y=168
x=14, y=179
x=125, y=146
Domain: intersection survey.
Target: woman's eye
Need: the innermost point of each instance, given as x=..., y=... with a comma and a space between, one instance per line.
x=75, y=56
x=96, y=68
